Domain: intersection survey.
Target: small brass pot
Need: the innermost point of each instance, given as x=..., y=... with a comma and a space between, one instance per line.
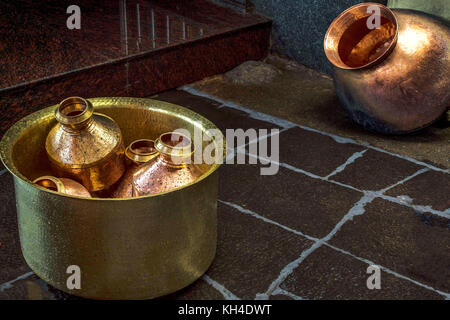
x=132, y=248
x=393, y=79
x=85, y=146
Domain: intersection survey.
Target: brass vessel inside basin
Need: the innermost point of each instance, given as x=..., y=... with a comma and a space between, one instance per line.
x=132, y=248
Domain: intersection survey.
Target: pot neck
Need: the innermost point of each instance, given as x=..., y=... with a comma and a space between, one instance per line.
x=74, y=113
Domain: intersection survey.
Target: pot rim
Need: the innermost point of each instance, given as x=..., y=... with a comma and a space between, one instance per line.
x=346, y=12
x=11, y=135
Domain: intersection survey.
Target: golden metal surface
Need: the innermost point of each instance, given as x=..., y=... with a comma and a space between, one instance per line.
x=439, y=8
x=85, y=146
x=170, y=170
x=137, y=153
x=62, y=185
x=133, y=248
x=394, y=79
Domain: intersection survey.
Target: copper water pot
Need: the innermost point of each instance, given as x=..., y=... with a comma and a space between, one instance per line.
x=393, y=79
x=62, y=185
x=170, y=170
x=85, y=146
x=137, y=153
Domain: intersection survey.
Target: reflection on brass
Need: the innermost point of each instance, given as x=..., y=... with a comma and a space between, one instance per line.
x=393, y=79
x=131, y=248
x=137, y=153
x=170, y=170
x=85, y=146
x=62, y=185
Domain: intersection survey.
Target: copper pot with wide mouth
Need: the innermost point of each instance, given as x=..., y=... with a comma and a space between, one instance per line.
x=137, y=154
x=85, y=146
x=393, y=78
x=130, y=248
x=172, y=168
x=62, y=185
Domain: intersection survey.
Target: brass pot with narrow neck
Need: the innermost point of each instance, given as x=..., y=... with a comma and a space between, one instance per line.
x=170, y=170
x=85, y=146
x=62, y=185
x=392, y=78
x=137, y=154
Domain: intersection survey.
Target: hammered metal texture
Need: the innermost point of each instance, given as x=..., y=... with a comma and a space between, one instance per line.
x=134, y=248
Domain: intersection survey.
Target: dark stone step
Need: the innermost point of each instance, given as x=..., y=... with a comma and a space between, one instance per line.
x=124, y=48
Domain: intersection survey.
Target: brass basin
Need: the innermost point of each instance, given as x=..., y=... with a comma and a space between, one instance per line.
x=133, y=248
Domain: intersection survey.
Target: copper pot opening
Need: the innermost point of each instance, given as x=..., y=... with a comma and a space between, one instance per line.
x=143, y=147
x=350, y=43
x=174, y=146
x=141, y=151
x=73, y=110
x=49, y=183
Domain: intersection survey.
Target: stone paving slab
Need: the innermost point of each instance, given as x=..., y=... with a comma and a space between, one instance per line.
x=427, y=189
x=31, y=288
x=251, y=253
x=199, y=290
x=223, y=117
x=293, y=199
x=307, y=97
x=314, y=152
x=34, y=288
x=329, y=274
x=413, y=244
x=375, y=171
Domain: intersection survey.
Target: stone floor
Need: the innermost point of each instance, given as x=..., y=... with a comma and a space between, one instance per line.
x=335, y=207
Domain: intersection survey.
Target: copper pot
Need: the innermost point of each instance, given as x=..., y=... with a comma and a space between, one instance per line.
x=137, y=153
x=62, y=185
x=85, y=146
x=393, y=79
x=170, y=170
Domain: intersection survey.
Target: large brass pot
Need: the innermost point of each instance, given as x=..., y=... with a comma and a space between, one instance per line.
x=393, y=79
x=133, y=248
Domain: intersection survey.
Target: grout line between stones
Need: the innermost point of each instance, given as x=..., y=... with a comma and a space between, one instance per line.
x=357, y=209
x=276, y=290
x=252, y=113
x=254, y=214
x=349, y=161
x=288, y=124
x=387, y=270
x=377, y=194
x=287, y=293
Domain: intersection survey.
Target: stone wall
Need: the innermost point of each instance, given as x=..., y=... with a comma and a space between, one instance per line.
x=299, y=26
